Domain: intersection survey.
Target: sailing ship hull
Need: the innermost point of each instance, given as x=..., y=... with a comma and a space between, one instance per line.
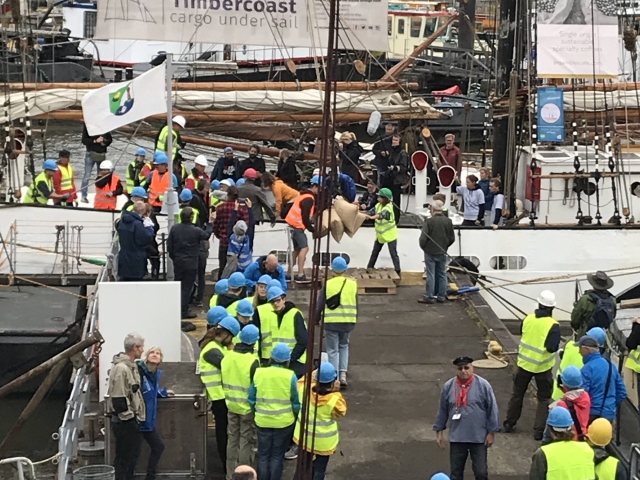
x=557, y=258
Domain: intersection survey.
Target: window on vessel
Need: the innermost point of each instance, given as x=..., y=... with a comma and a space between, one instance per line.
x=90, y=24
x=416, y=23
x=281, y=254
x=474, y=260
x=429, y=26
x=389, y=24
x=325, y=260
x=401, y=26
x=514, y=262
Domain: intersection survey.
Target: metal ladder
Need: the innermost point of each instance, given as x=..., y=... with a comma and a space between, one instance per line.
x=21, y=462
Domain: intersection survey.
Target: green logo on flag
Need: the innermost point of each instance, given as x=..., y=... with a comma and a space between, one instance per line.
x=121, y=101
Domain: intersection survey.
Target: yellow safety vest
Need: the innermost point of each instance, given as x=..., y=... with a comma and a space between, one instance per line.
x=273, y=397
x=607, y=469
x=131, y=181
x=285, y=333
x=386, y=230
x=210, y=375
x=322, y=430
x=347, y=312
x=214, y=301
x=571, y=356
x=532, y=355
x=34, y=195
x=236, y=380
x=162, y=141
x=633, y=361
x=569, y=460
x=214, y=202
x=66, y=178
x=194, y=219
x=266, y=335
x=233, y=309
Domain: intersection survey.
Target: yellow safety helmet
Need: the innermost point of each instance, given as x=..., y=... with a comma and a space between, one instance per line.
x=600, y=432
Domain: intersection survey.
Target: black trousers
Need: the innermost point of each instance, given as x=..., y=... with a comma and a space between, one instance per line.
x=393, y=251
x=222, y=260
x=156, y=444
x=128, y=442
x=153, y=254
x=187, y=278
x=219, y=411
x=202, y=267
x=544, y=385
x=458, y=453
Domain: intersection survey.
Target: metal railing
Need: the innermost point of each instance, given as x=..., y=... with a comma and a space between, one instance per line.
x=73, y=420
x=634, y=469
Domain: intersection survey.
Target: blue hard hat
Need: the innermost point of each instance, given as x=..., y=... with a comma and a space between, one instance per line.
x=559, y=417
x=315, y=180
x=230, y=324
x=222, y=286
x=440, y=476
x=571, y=377
x=142, y=152
x=237, y=280
x=273, y=293
x=50, y=165
x=265, y=279
x=245, y=308
x=281, y=353
x=215, y=314
x=339, y=265
x=274, y=283
x=186, y=195
x=241, y=181
x=160, y=158
x=215, y=185
x=249, y=334
x=139, y=192
x=599, y=334
x=326, y=373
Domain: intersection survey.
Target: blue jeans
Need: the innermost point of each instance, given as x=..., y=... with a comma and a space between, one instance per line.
x=89, y=162
x=338, y=349
x=272, y=445
x=436, y=276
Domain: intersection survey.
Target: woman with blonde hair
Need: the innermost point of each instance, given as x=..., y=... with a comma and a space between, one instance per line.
x=350, y=155
x=283, y=193
x=151, y=391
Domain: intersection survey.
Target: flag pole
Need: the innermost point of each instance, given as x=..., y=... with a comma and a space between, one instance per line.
x=169, y=197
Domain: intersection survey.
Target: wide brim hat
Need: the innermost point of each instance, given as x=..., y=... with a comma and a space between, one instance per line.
x=600, y=280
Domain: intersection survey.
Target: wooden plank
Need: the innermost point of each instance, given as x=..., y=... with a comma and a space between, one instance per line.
x=632, y=303
x=376, y=286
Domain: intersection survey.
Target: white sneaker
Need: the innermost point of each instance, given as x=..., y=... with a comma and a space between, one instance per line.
x=292, y=453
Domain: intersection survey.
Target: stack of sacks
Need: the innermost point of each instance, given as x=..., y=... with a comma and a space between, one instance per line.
x=352, y=218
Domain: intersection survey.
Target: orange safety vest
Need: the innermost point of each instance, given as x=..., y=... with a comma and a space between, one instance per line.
x=294, y=217
x=102, y=201
x=158, y=186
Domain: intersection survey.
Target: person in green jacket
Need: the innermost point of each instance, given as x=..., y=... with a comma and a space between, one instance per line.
x=596, y=307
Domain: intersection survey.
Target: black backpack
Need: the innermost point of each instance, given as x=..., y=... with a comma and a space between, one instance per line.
x=603, y=312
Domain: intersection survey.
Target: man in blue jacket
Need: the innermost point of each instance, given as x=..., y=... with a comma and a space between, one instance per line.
x=265, y=265
x=601, y=380
x=134, y=234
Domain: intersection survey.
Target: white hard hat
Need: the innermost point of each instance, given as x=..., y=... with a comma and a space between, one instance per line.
x=179, y=119
x=547, y=298
x=106, y=165
x=201, y=160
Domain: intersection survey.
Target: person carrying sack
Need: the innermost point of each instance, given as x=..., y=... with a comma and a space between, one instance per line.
x=340, y=316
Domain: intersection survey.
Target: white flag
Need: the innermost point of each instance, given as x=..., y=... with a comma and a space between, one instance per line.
x=119, y=104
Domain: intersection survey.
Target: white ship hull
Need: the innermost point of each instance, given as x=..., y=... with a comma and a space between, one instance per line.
x=528, y=254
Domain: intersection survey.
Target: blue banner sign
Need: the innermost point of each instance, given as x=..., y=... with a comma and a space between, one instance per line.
x=550, y=115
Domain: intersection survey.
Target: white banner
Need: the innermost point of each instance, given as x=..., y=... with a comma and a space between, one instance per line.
x=119, y=104
x=283, y=23
x=566, y=47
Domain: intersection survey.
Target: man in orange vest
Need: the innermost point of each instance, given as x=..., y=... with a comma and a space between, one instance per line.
x=64, y=180
x=299, y=219
x=158, y=180
x=108, y=187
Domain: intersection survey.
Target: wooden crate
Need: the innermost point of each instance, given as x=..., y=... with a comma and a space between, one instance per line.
x=382, y=281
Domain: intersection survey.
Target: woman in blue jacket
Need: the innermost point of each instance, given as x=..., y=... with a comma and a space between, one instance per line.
x=151, y=391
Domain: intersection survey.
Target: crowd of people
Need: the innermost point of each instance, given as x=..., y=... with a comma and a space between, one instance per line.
x=252, y=365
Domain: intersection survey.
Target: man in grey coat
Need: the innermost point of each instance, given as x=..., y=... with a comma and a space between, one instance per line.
x=258, y=199
x=436, y=238
x=468, y=405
